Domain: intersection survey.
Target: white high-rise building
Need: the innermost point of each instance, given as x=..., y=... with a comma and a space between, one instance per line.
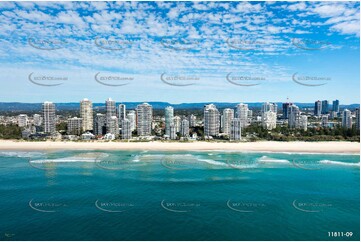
x=144, y=119
x=23, y=120
x=169, y=115
x=177, y=123
x=228, y=115
x=346, y=119
x=113, y=127
x=75, y=126
x=303, y=122
x=122, y=113
x=293, y=116
x=49, y=117
x=100, y=124
x=110, y=112
x=211, y=120
x=131, y=116
x=269, y=119
x=172, y=132
x=242, y=114
x=38, y=120
x=236, y=129
x=192, y=120
x=267, y=106
x=126, y=129
x=86, y=113
x=185, y=128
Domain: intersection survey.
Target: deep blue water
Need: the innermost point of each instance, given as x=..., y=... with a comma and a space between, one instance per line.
x=133, y=195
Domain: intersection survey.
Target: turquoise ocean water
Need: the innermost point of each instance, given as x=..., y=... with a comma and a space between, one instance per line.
x=216, y=195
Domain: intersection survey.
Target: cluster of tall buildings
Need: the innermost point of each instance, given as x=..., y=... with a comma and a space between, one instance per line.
x=118, y=122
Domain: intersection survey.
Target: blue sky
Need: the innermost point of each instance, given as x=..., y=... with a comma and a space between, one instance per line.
x=144, y=46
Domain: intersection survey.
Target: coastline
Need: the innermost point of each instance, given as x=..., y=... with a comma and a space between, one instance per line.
x=331, y=147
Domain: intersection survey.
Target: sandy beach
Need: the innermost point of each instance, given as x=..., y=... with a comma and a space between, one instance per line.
x=268, y=146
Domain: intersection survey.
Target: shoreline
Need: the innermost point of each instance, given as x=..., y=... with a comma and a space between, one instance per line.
x=331, y=147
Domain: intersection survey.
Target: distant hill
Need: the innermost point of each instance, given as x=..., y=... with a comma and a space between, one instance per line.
x=15, y=106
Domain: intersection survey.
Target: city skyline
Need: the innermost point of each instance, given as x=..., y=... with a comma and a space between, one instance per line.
x=180, y=51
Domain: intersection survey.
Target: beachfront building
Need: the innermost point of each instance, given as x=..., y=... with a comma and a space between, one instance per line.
x=144, y=119
x=303, y=122
x=236, y=129
x=192, y=120
x=177, y=123
x=131, y=116
x=357, y=114
x=49, y=118
x=121, y=113
x=99, y=124
x=242, y=113
x=169, y=115
x=318, y=108
x=126, y=129
x=228, y=115
x=185, y=128
x=75, y=126
x=293, y=114
x=23, y=120
x=346, y=119
x=269, y=119
x=172, y=132
x=211, y=120
x=86, y=113
x=37, y=120
x=110, y=112
x=113, y=126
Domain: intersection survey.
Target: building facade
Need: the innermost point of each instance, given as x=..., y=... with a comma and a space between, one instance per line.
x=242, y=113
x=211, y=120
x=126, y=129
x=75, y=126
x=169, y=115
x=346, y=119
x=86, y=113
x=49, y=118
x=144, y=119
x=236, y=129
x=228, y=115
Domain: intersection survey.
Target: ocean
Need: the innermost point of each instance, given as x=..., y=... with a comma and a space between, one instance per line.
x=214, y=195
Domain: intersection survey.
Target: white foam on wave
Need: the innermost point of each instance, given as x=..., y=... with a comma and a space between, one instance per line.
x=87, y=157
x=340, y=163
x=266, y=159
x=21, y=154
